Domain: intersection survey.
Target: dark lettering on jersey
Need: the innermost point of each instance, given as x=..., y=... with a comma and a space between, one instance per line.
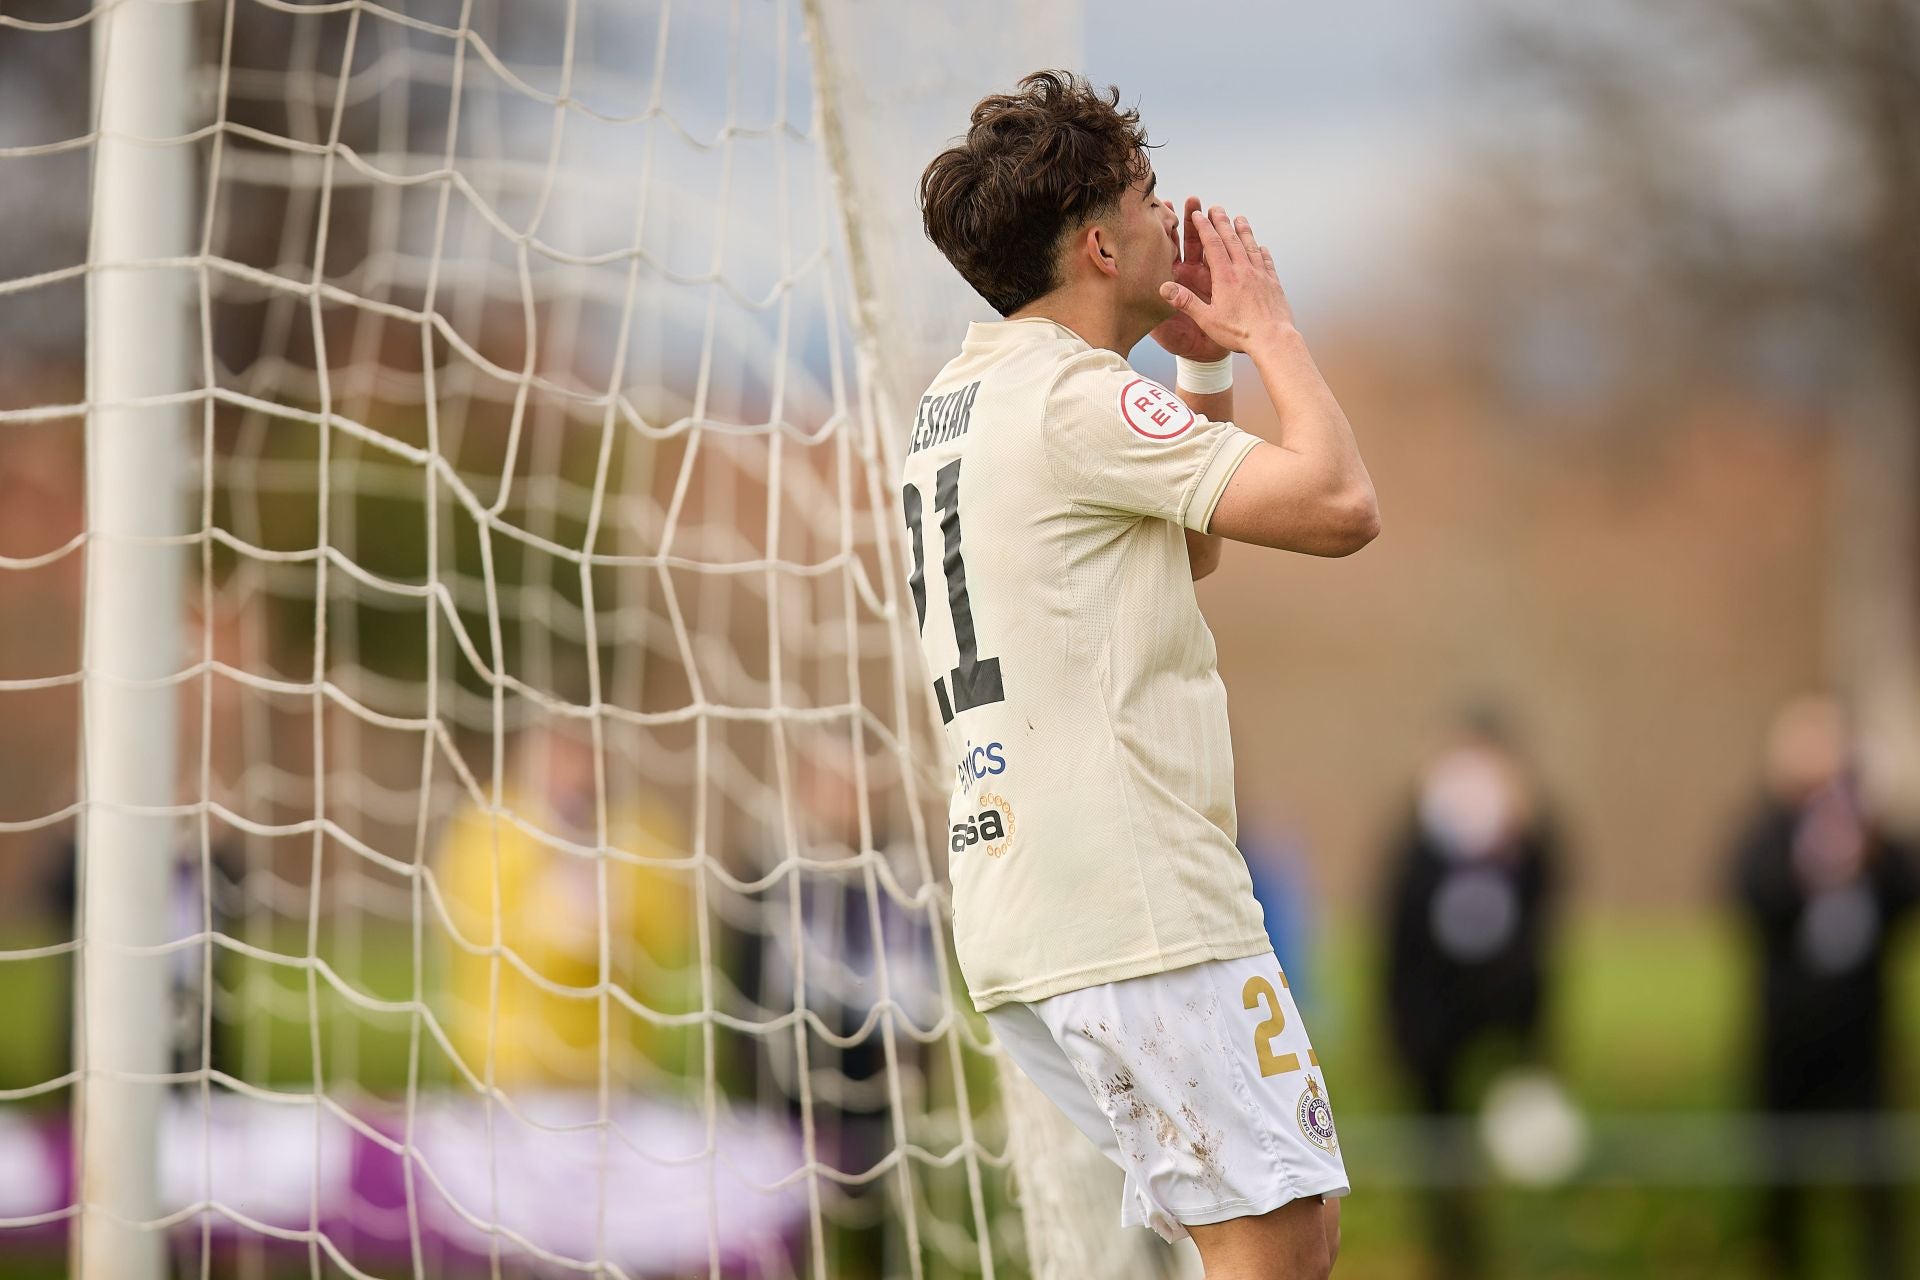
x=975, y=682
x=943, y=418
x=989, y=826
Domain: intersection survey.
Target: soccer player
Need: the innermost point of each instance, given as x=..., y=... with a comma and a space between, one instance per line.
x=1058, y=508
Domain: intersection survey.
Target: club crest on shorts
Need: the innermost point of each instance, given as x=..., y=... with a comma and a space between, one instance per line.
x=1316, y=1117
x=1153, y=411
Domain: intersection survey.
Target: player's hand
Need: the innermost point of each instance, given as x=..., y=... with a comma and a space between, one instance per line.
x=1246, y=302
x=1179, y=334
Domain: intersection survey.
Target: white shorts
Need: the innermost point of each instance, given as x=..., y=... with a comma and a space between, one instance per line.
x=1198, y=1082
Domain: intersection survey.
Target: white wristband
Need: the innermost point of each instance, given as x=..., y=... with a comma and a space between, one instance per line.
x=1203, y=377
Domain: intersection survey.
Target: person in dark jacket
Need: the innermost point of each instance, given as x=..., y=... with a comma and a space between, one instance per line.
x=1469, y=925
x=1823, y=891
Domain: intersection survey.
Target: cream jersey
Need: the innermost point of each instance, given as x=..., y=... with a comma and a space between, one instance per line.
x=1045, y=490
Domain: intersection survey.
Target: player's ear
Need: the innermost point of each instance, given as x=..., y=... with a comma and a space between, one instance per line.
x=1099, y=249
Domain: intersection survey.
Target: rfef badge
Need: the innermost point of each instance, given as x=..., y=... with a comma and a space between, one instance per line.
x=1316, y=1117
x=1153, y=411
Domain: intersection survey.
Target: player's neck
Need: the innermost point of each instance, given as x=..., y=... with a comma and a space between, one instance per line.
x=1093, y=316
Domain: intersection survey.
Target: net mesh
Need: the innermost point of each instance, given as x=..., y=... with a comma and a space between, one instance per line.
x=556, y=859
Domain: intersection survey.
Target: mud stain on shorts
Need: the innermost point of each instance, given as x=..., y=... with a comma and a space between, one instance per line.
x=1122, y=1092
x=1206, y=1149
x=1165, y=1131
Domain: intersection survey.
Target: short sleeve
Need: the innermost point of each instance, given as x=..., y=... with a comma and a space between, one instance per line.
x=1117, y=440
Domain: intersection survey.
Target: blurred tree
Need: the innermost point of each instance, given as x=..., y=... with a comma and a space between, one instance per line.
x=1729, y=194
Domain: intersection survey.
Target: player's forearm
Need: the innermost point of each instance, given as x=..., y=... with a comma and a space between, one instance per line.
x=1312, y=424
x=1203, y=550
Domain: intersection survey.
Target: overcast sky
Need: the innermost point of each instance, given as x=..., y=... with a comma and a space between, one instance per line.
x=1328, y=125
x=1331, y=126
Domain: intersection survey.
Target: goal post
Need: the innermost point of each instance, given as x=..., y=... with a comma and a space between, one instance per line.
x=140, y=335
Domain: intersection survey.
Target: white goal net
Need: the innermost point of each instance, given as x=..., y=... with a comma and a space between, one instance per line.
x=473, y=807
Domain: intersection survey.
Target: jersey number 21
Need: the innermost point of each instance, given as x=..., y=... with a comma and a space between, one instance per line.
x=976, y=681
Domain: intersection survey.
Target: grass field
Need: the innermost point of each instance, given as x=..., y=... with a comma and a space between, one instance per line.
x=1652, y=1019
x=1650, y=1022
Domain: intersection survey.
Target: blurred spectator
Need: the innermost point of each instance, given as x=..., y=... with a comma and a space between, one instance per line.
x=846, y=962
x=512, y=871
x=58, y=895
x=1823, y=891
x=857, y=951
x=1469, y=922
x=205, y=886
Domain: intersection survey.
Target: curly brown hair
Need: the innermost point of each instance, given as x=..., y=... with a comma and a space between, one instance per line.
x=1034, y=165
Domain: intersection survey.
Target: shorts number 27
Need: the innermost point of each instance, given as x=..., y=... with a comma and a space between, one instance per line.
x=1256, y=992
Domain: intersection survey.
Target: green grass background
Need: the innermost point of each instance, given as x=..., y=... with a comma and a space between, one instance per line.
x=1651, y=1017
